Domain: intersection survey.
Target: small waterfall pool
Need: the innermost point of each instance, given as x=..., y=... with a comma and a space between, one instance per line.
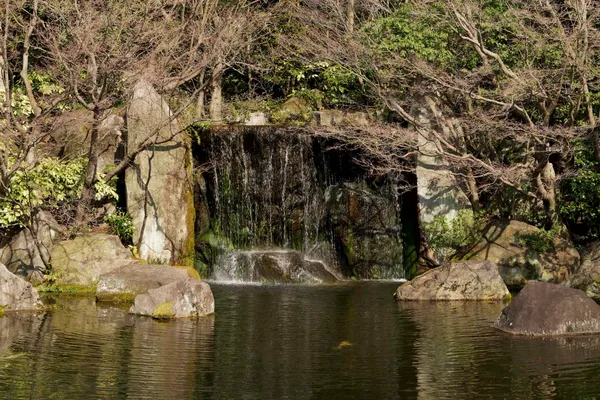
x=345, y=341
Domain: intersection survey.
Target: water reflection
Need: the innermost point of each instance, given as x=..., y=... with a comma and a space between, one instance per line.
x=277, y=342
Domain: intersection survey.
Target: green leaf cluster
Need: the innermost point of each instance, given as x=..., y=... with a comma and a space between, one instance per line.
x=121, y=225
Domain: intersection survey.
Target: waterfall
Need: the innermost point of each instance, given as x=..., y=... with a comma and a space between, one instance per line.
x=273, y=191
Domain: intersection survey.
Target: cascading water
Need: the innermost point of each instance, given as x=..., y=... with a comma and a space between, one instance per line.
x=268, y=191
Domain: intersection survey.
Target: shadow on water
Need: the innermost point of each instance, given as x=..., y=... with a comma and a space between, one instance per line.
x=296, y=342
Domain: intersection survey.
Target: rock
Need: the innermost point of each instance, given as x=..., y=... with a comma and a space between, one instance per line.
x=257, y=118
x=126, y=282
x=284, y=266
x=72, y=136
x=518, y=264
x=466, y=280
x=181, y=299
x=16, y=294
x=548, y=309
x=22, y=256
x=366, y=227
x=167, y=230
x=340, y=118
x=294, y=109
x=587, y=275
x=81, y=261
x=439, y=192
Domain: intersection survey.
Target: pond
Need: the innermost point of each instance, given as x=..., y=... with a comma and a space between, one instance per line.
x=350, y=341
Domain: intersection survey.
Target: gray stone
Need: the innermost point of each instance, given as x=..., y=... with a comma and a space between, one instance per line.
x=16, y=294
x=587, y=275
x=81, y=261
x=438, y=189
x=518, y=264
x=162, y=206
x=181, y=299
x=72, y=136
x=466, y=280
x=23, y=257
x=126, y=282
x=285, y=266
x=340, y=118
x=543, y=309
x=258, y=118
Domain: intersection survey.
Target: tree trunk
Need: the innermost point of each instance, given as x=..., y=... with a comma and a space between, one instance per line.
x=88, y=192
x=201, y=99
x=546, y=183
x=351, y=15
x=216, y=97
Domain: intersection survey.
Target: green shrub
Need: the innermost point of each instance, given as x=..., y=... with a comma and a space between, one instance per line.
x=447, y=236
x=541, y=241
x=121, y=225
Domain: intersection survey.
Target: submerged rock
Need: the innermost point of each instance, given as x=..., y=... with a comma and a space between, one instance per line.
x=131, y=280
x=518, y=264
x=81, y=261
x=16, y=294
x=548, y=309
x=466, y=280
x=181, y=299
x=272, y=266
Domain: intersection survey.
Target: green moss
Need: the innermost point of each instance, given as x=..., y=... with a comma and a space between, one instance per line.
x=74, y=289
x=118, y=298
x=1, y=311
x=507, y=298
x=164, y=311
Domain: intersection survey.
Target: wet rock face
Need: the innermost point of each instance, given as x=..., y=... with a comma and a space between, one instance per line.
x=82, y=260
x=272, y=188
x=126, y=282
x=518, y=264
x=366, y=229
x=181, y=299
x=543, y=309
x=16, y=294
x=272, y=266
x=162, y=206
x=466, y=280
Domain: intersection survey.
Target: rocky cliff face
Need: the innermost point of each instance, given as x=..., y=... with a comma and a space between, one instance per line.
x=275, y=188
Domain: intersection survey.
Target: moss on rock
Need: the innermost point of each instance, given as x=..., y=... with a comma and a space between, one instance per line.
x=164, y=311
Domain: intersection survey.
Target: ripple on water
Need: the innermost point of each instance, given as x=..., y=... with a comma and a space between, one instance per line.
x=275, y=342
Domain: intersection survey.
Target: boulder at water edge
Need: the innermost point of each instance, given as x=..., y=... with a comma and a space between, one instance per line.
x=502, y=244
x=81, y=261
x=126, y=282
x=548, y=309
x=181, y=299
x=587, y=275
x=16, y=294
x=466, y=280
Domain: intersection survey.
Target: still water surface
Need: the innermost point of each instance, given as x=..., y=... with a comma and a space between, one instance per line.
x=283, y=342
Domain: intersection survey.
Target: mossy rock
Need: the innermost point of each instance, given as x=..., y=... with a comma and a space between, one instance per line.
x=1, y=311
x=164, y=311
x=192, y=273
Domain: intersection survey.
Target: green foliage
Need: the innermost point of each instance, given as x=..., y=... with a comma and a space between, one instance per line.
x=580, y=196
x=447, y=236
x=541, y=241
x=52, y=183
x=121, y=225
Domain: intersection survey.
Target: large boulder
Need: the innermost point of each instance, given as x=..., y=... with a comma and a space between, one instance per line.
x=366, y=228
x=71, y=132
x=181, y=299
x=159, y=186
x=548, y=309
x=466, y=280
x=81, y=261
x=23, y=257
x=285, y=266
x=16, y=294
x=502, y=244
x=587, y=275
x=126, y=282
